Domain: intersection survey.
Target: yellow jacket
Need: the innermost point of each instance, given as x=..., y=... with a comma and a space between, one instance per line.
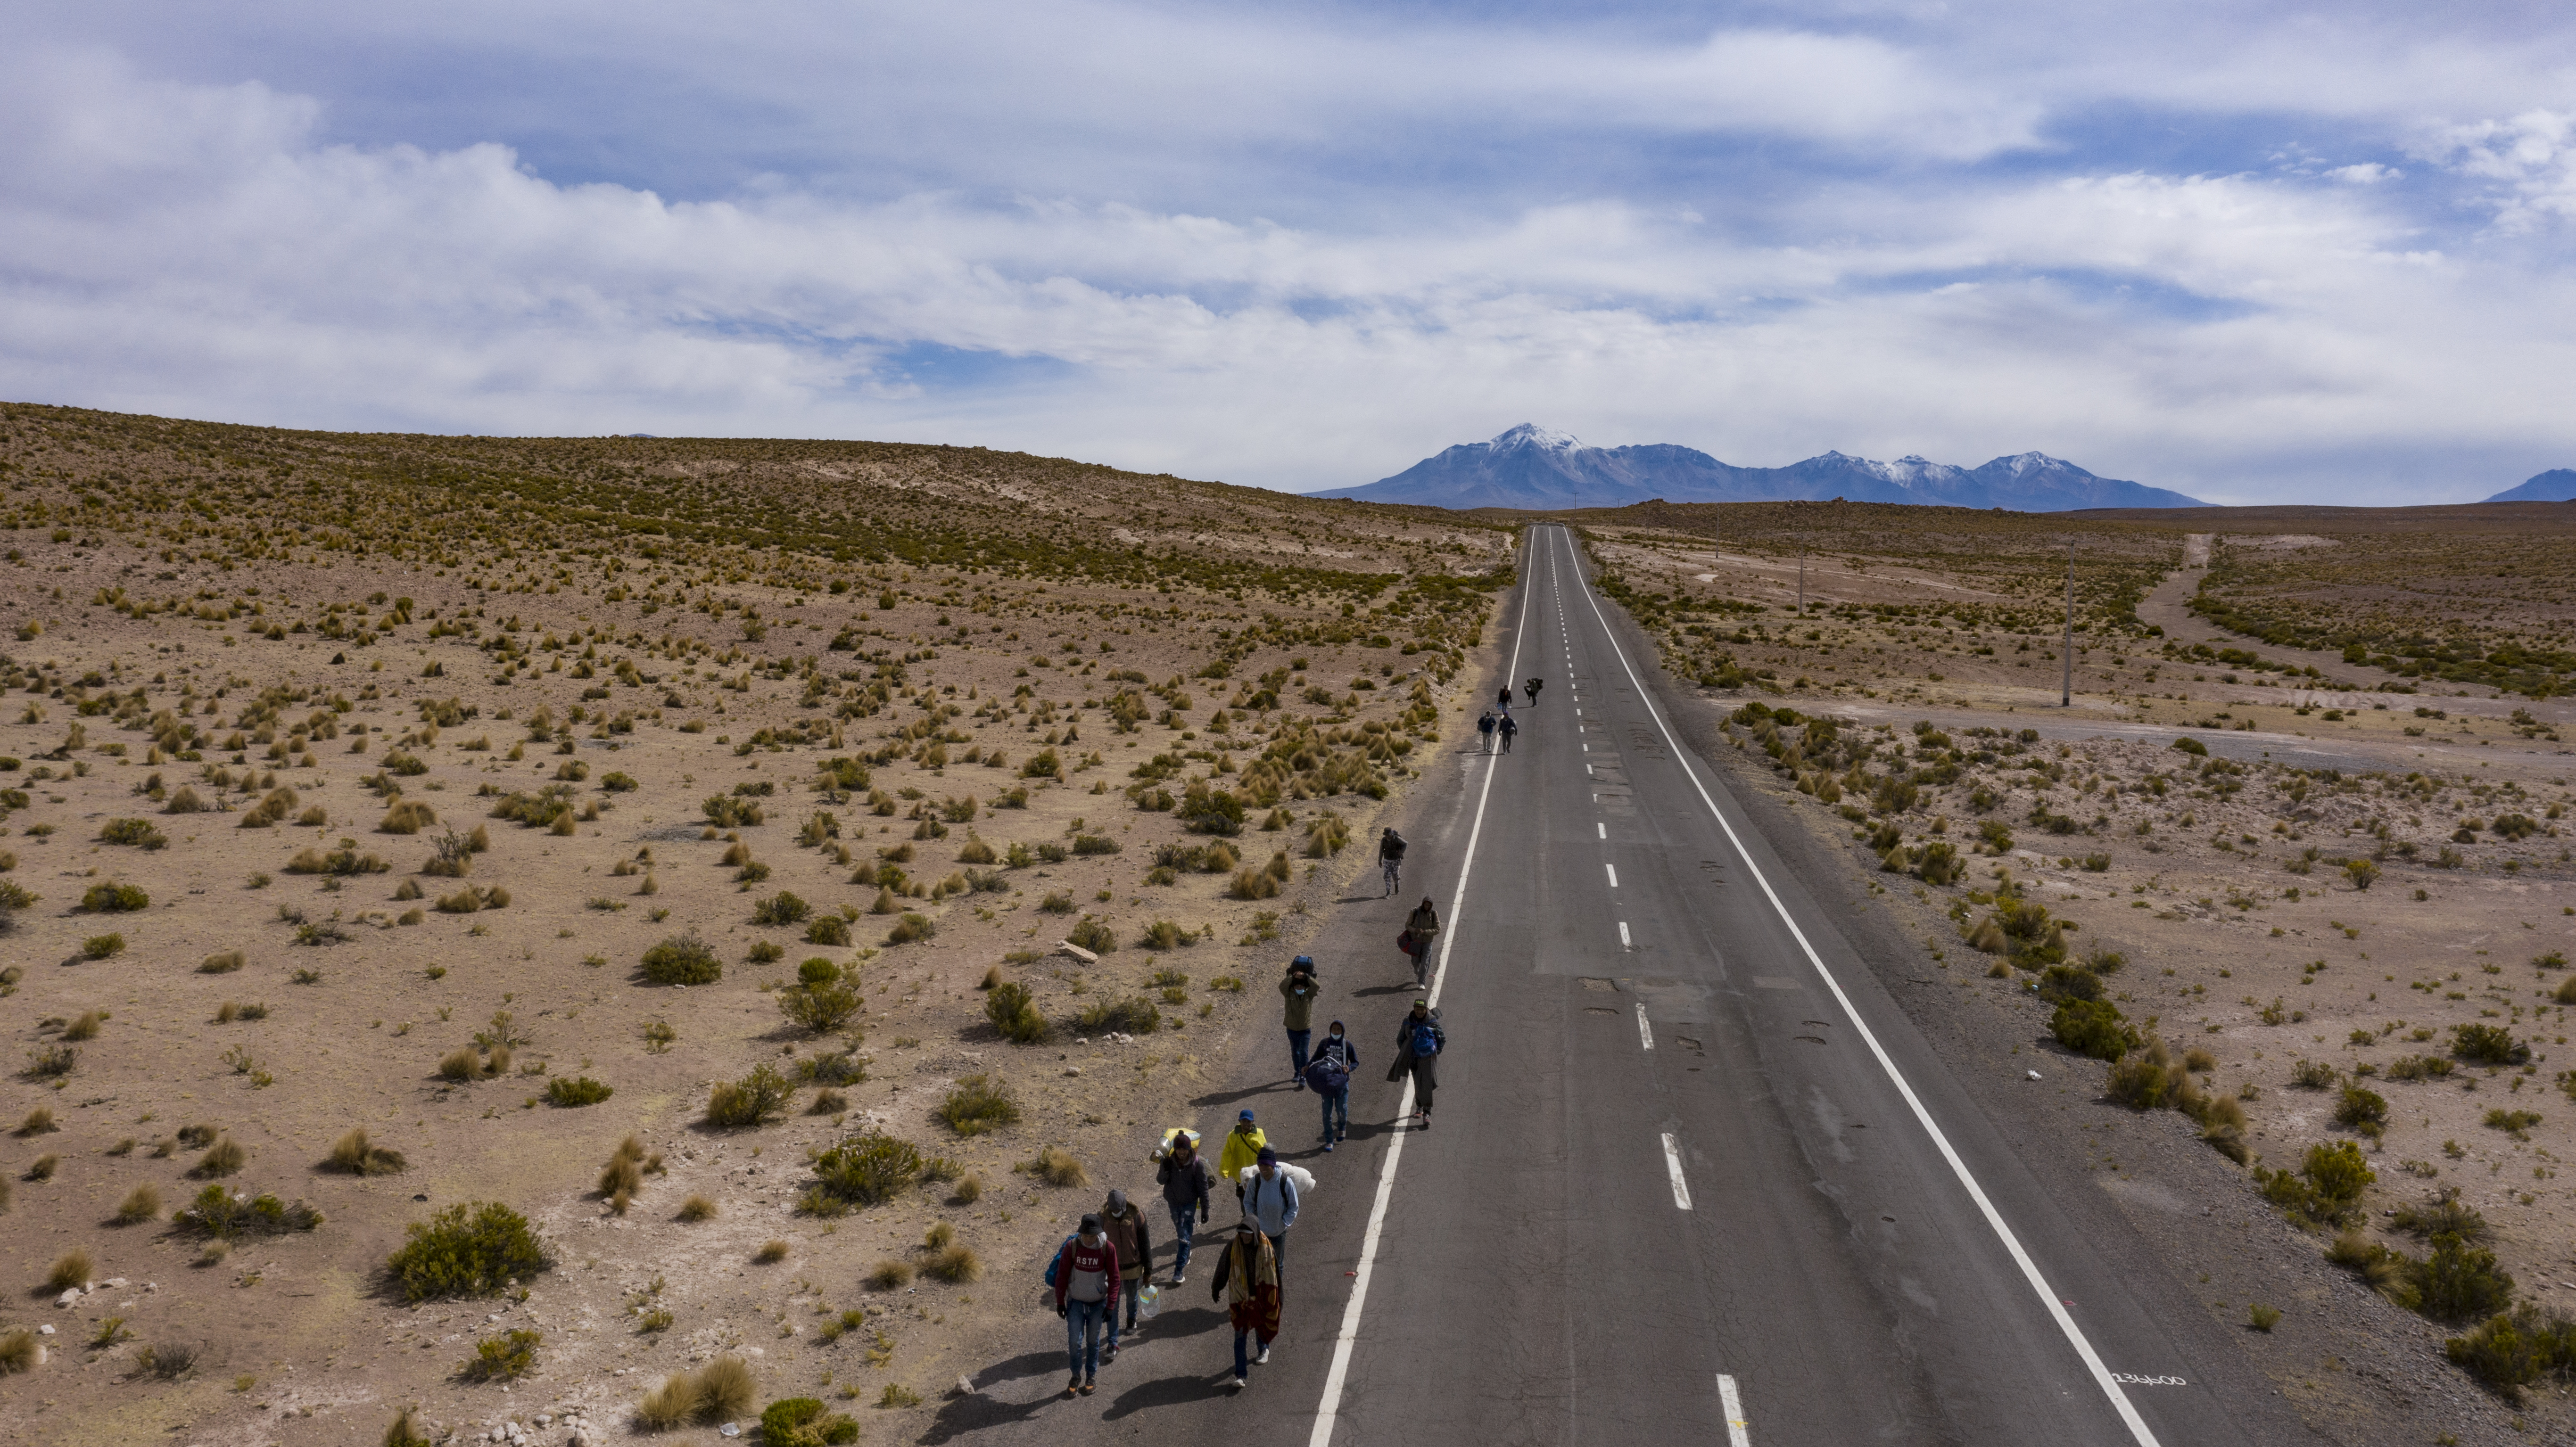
x=1241, y=1148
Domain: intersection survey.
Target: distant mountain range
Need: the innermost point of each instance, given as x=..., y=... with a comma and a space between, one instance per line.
x=1535, y=467
x=2556, y=485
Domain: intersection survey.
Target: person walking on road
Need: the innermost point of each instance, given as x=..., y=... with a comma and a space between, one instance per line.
x=1184, y=1178
x=1532, y=687
x=1503, y=699
x=1270, y=1197
x=1506, y=730
x=1485, y=732
x=1242, y=1145
x=1299, y=989
x=1247, y=1280
x=1329, y=1075
x=1420, y=928
x=1086, y=1296
x=1390, y=860
x=1418, y=1043
x=1133, y=1240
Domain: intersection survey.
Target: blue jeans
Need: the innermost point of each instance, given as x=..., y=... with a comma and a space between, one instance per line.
x=1297, y=1041
x=1082, y=1323
x=1337, y=1115
x=1181, y=1216
x=1242, y=1354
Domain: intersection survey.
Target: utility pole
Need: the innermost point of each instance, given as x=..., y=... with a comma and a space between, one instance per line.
x=2066, y=698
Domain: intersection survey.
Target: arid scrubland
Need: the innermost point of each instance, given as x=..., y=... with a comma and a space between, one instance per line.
x=2321, y=923
x=570, y=931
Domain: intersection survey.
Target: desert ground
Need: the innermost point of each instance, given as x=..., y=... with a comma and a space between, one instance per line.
x=353, y=782
x=2331, y=902
x=796, y=879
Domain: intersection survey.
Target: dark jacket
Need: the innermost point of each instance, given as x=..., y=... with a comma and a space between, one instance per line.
x=1186, y=1181
x=1300, y=992
x=1404, y=1057
x=1132, y=1239
x=1342, y=1046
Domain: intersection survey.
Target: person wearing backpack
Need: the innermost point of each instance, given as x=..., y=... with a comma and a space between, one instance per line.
x=1418, y=1042
x=1329, y=1076
x=1085, y=1278
x=1133, y=1240
x=1506, y=730
x=1420, y=928
x=1485, y=732
x=1390, y=860
x=1270, y=1197
x=1184, y=1177
x=1242, y=1145
x=1532, y=687
x=1299, y=989
x=1247, y=1280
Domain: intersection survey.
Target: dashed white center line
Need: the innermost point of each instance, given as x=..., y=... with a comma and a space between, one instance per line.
x=1645, y=1032
x=1673, y=1164
x=1614, y=873
x=1604, y=828
x=1737, y=1433
x=1623, y=934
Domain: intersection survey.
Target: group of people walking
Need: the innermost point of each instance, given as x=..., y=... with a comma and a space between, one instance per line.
x=1104, y=1270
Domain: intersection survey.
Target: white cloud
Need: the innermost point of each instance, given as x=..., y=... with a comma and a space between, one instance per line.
x=213, y=250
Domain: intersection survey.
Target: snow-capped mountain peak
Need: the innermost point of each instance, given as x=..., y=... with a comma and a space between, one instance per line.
x=1530, y=434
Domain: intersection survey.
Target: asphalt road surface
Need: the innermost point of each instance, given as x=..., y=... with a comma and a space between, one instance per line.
x=1693, y=1176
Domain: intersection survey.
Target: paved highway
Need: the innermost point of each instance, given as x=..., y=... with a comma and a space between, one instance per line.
x=1693, y=1175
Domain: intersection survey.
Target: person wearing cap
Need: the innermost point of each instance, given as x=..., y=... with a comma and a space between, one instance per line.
x=1086, y=1296
x=1247, y=1280
x=1243, y=1143
x=1336, y=1061
x=1184, y=1178
x=1134, y=1243
x=1299, y=989
x=1416, y=1031
x=1270, y=1197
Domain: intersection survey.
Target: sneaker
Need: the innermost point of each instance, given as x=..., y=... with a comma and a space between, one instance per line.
x=1088, y=1389
x=1179, y=1280
x=1426, y=1120
x=1109, y=1354
x=1264, y=1358
x=1073, y=1388
x=1328, y=1148
x=1301, y=1082
x=1240, y=1383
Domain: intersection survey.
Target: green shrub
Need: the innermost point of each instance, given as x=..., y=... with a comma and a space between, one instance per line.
x=2093, y=1027
x=819, y=1008
x=1133, y=1015
x=1092, y=935
x=978, y=1105
x=102, y=947
x=114, y=899
x=830, y=930
x=503, y=1358
x=682, y=959
x=576, y=1090
x=863, y=1170
x=2361, y=1110
x=466, y=1250
x=1015, y=1013
x=2142, y=1082
x=911, y=927
x=136, y=832
x=781, y=908
x=757, y=1097
x=2488, y=1045
x=2326, y=1191
x=2511, y=1350
x=219, y=1213
x=803, y=1422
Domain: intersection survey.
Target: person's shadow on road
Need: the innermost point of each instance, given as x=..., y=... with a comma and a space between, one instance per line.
x=961, y=1415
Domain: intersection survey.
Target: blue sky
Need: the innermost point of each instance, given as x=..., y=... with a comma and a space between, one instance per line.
x=2251, y=253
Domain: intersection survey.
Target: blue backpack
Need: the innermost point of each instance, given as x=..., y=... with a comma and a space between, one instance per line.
x=1057, y=1259
x=1426, y=1040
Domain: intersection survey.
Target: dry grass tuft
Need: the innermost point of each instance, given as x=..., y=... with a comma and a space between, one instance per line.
x=890, y=1275
x=771, y=1252
x=354, y=1154
x=223, y=1158
x=72, y=1268
x=222, y=964
x=722, y=1389
x=141, y=1204
x=955, y=1264
x=1058, y=1167
x=697, y=1208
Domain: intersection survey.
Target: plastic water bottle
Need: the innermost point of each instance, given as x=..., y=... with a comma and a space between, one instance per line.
x=1149, y=1299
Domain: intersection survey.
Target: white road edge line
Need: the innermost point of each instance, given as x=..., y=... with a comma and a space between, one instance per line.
x=1737, y=1433
x=1328, y=1410
x=1645, y=1032
x=2048, y=1297
x=1673, y=1164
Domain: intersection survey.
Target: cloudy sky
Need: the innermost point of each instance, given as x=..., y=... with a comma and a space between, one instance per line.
x=2253, y=252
